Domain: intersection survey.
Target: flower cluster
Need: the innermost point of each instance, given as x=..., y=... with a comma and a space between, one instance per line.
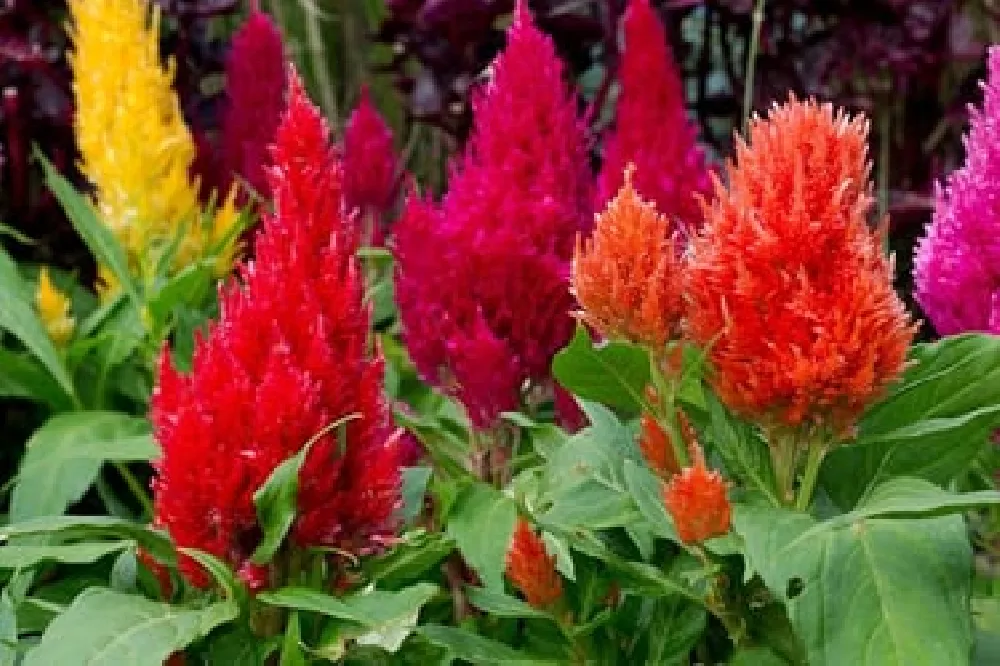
x=289, y=356
x=957, y=264
x=788, y=288
x=531, y=569
x=54, y=310
x=482, y=283
x=652, y=129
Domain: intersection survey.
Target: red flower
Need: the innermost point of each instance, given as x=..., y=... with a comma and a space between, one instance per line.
x=627, y=276
x=696, y=499
x=652, y=129
x=656, y=447
x=531, y=568
x=289, y=356
x=787, y=286
x=371, y=170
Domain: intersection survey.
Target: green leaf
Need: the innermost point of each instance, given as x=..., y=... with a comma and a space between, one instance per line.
x=592, y=505
x=105, y=628
x=23, y=556
x=410, y=559
x=291, y=646
x=8, y=630
x=66, y=529
x=98, y=238
x=64, y=456
x=646, y=490
x=414, y=487
x=18, y=317
x=498, y=604
x=757, y=656
x=463, y=644
x=482, y=524
x=851, y=590
x=188, y=287
x=905, y=497
x=371, y=610
x=675, y=627
x=744, y=453
x=220, y=572
x=932, y=424
x=23, y=376
x=615, y=373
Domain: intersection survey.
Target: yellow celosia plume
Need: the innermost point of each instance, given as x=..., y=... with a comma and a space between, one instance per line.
x=53, y=309
x=135, y=148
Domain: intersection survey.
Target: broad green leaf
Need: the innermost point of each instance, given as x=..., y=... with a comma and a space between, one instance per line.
x=851, y=590
x=371, y=610
x=590, y=504
x=614, y=373
x=646, y=490
x=18, y=556
x=482, y=524
x=744, y=453
x=414, y=488
x=67, y=529
x=476, y=649
x=905, y=497
x=498, y=604
x=98, y=238
x=17, y=316
x=932, y=424
x=105, y=628
x=64, y=456
x=189, y=287
x=23, y=376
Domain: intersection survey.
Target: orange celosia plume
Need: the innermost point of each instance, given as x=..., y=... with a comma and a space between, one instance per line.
x=787, y=285
x=531, y=568
x=697, y=501
x=627, y=276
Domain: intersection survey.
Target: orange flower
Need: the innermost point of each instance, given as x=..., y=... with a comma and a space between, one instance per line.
x=531, y=568
x=787, y=285
x=696, y=499
x=627, y=276
x=656, y=447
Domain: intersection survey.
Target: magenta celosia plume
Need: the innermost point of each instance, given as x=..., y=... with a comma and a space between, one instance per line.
x=371, y=169
x=957, y=265
x=255, y=90
x=289, y=356
x=652, y=129
x=482, y=284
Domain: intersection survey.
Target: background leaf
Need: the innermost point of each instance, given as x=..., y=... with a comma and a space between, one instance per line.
x=615, y=373
x=482, y=524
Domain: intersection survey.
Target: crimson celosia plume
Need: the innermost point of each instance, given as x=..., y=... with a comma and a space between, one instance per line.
x=788, y=287
x=482, y=278
x=957, y=265
x=531, y=569
x=652, y=129
x=371, y=168
x=289, y=356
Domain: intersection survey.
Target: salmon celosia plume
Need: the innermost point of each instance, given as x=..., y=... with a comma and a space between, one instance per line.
x=788, y=288
x=482, y=278
x=957, y=265
x=627, y=276
x=652, y=129
x=531, y=569
x=289, y=356
x=697, y=501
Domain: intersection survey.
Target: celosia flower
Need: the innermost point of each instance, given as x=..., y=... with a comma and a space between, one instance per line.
x=531, y=569
x=788, y=287
x=627, y=276
x=255, y=97
x=135, y=149
x=652, y=129
x=54, y=310
x=371, y=178
x=656, y=447
x=289, y=356
x=957, y=264
x=482, y=282
x=697, y=501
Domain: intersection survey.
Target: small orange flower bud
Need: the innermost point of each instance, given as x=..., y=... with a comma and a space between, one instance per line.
x=696, y=498
x=531, y=568
x=657, y=448
x=627, y=277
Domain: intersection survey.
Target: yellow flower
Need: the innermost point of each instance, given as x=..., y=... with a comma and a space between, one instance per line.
x=135, y=147
x=53, y=308
x=223, y=238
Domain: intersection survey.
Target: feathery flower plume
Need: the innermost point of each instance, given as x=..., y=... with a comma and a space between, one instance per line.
x=957, y=264
x=787, y=286
x=652, y=129
x=255, y=99
x=371, y=178
x=53, y=309
x=697, y=501
x=482, y=281
x=135, y=149
x=656, y=447
x=627, y=276
x=531, y=569
x=289, y=356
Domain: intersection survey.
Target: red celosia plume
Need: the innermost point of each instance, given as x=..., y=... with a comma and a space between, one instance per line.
x=289, y=356
x=652, y=129
x=531, y=569
x=787, y=286
x=697, y=501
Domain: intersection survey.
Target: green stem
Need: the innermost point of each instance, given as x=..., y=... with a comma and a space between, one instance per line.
x=817, y=451
x=784, y=448
x=666, y=409
x=137, y=489
x=752, y=49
